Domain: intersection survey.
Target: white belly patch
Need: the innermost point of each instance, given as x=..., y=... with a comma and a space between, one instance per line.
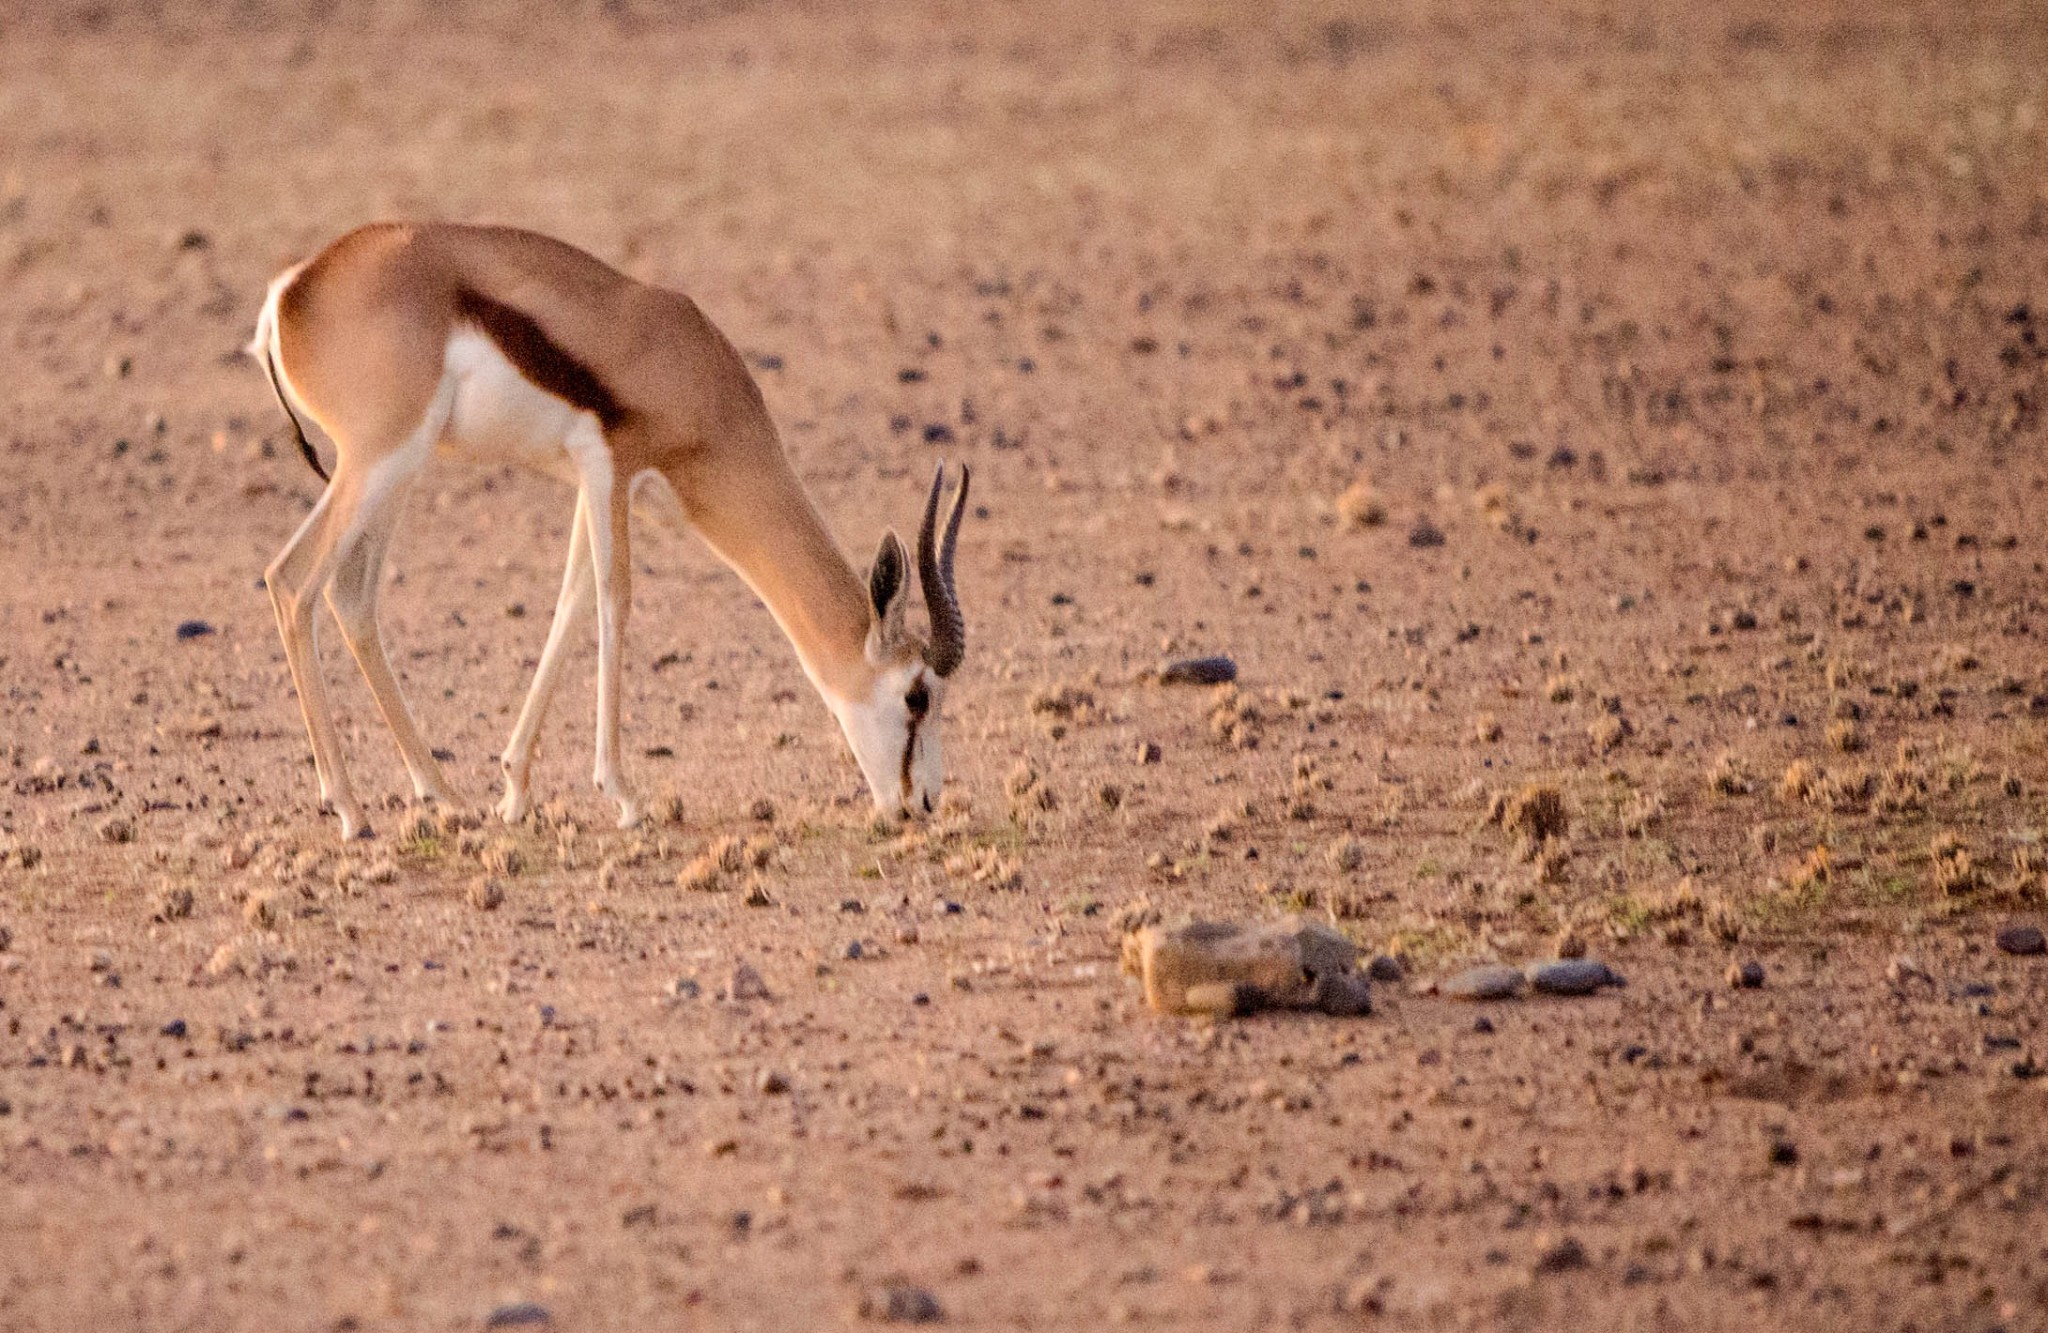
x=500, y=416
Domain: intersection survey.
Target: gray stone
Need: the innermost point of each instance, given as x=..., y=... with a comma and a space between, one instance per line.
x=1385, y=968
x=523, y=1314
x=1572, y=976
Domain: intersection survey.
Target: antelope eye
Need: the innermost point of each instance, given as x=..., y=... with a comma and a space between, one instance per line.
x=919, y=700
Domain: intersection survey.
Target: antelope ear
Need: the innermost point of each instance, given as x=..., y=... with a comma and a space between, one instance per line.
x=886, y=577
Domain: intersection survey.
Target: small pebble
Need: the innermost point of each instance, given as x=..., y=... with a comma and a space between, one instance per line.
x=523, y=1314
x=1572, y=976
x=854, y=951
x=1747, y=976
x=772, y=1083
x=193, y=629
x=1561, y=1257
x=1482, y=1025
x=2022, y=940
x=902, y=1305
x=685, y=988
x=1198, y=671
x=747, y=984
x=1386, y=968
x=1906, y=968
x=1483, y=983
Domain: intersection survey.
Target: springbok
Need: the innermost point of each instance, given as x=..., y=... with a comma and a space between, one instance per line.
x=497, y=345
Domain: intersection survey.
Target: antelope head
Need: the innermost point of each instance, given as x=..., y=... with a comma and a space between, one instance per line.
x=894, y=731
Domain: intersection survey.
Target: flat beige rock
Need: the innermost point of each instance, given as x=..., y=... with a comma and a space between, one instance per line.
x=1224, y=968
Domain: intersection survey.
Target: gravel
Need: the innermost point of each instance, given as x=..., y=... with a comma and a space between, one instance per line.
x=1483, y=983
x=897, y=1304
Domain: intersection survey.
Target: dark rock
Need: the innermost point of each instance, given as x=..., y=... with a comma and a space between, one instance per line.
x=1748, y=975
x=1572, y=976
x=1425, y=535
x=194, y=629
x=523, y=1314
x=2022, y=940
x=1385, y=968
x=1199, y=671
x=1562, y=1257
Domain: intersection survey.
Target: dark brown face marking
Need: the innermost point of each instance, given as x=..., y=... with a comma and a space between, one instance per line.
x=917, y=717
x=539, y=357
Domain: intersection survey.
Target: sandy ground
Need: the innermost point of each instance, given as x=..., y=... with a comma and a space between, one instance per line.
x=1646, y=403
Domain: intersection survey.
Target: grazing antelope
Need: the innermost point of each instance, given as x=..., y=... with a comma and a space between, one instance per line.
x=497, y=345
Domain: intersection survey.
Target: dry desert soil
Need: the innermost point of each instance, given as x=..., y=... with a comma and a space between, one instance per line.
x=1641, y=404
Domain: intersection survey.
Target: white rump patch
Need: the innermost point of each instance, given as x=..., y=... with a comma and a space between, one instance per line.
x=500, y=416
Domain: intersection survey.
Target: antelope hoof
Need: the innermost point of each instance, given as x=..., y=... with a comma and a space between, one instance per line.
x=513, y=806
x=630, y=813
x=353, y=825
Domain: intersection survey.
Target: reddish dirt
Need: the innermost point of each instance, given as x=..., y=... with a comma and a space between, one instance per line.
x=1709, y=341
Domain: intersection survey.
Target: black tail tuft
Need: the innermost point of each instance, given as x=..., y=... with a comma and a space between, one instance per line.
x=277, y=387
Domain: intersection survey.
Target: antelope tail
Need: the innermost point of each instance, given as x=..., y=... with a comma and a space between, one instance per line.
x=276, y=387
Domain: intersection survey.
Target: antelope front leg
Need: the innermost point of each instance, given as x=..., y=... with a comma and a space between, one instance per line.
x=517, y=761
x=611, y=558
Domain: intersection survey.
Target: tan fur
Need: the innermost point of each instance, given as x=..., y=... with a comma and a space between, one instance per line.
x=362, y=335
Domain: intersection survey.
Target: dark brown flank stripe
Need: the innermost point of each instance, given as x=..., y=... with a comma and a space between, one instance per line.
x=538, y=357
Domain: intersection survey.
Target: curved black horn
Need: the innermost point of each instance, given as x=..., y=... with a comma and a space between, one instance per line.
x=935, y=571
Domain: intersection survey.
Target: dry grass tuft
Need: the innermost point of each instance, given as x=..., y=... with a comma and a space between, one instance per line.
x=1798, y=781
x=1954, y=873
x=1607, y=732
x=1536, y=812
x=1643, y=813
x=1728, y=776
